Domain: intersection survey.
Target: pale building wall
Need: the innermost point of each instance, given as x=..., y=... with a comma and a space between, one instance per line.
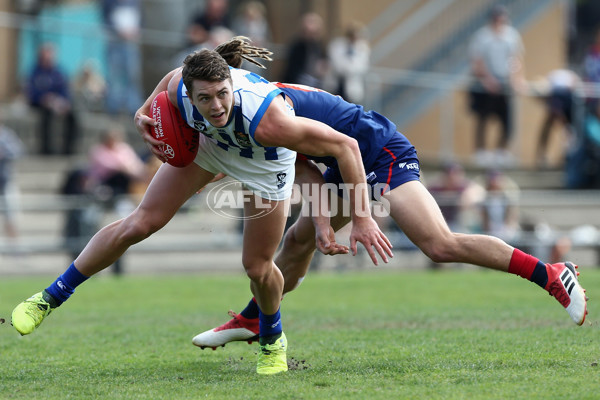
x=8, y=44
x=545, y=47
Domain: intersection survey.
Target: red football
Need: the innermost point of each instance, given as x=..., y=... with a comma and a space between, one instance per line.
x=181, y=141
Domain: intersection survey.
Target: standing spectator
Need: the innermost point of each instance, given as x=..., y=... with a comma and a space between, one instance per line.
x=11, y=148
x=558, y=95
x=207, y=29
x=216, y=36
x=48, y=92
x=307, y=59
x=123, y=21
x=582, y=166
x=214, y=14
x=591, y=61
x=496, y=65
x=251, y=21
x=349, y=63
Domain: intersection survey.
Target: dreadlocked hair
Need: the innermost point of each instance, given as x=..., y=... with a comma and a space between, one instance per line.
x=238, y=49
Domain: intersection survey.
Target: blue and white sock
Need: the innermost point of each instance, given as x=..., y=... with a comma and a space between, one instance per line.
x=64, y=286
x=269, y=327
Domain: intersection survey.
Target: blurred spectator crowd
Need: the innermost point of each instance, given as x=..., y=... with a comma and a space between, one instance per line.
x=340, y=65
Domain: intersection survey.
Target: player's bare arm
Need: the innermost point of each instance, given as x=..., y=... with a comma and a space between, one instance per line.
x=278, y=128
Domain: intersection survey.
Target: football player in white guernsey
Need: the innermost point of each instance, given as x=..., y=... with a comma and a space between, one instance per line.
x=266, y=139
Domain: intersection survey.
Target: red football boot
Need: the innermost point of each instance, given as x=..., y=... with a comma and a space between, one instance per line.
x=237, y=329
x=564, y=286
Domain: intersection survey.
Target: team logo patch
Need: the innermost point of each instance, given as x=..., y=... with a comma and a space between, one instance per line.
x=200, y=126
x=243, y=139
x=281, y=179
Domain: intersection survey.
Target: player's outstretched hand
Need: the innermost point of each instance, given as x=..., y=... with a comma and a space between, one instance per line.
x=367, y=232
x=144, y=125
x=325, y=241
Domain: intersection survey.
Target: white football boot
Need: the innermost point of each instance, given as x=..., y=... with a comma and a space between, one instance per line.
x=564, y=286
x=237, y=329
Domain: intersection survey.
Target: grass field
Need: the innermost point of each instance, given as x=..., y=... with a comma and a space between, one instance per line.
x=381, y=335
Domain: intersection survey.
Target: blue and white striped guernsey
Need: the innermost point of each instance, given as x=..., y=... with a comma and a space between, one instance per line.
x=252, y=96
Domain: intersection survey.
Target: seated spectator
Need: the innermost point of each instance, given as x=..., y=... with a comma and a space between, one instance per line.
x=48, y=92
x=457, y=197
x=500, y=207
x=89, y=88
x=114, y=165
x=114, y=170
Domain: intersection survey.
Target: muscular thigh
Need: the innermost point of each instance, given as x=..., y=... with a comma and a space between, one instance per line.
x=263, y=229
x=416, y=213
x=170, y=188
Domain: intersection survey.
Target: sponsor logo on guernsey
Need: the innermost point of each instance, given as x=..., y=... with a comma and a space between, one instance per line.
x=414, y=166
x=281, y=179
x=371, y=177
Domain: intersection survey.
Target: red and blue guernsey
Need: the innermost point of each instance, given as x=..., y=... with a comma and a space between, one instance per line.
x=371, y=130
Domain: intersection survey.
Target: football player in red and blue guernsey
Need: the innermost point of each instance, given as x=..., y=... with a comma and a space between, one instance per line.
x=392, y=169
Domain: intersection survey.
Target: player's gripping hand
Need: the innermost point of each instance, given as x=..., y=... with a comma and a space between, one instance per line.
x=366, y=231
x=325, y=241
x=144, y=125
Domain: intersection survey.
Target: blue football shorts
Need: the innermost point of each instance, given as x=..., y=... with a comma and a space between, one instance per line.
x=394, y=166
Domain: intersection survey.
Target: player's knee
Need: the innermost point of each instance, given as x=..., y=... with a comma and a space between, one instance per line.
x=294, y=243
x=441, y=250
x=138, y=227
x=257, y=272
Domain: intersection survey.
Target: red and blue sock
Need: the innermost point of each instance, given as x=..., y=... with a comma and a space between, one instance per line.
x=528, y=267
x=251, y=311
